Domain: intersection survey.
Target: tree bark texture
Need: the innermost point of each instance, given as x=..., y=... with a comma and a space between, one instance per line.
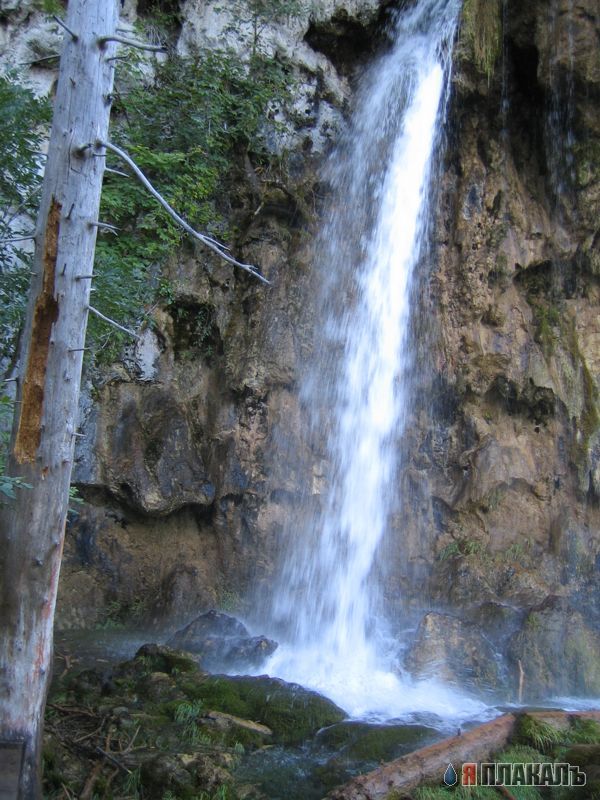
x=32, y=526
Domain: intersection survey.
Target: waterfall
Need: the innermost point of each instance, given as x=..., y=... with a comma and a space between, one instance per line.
x=358, y=387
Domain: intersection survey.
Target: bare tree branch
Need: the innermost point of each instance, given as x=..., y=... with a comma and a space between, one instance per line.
x=65, y=27
x=216, y=247
x=110, y=321
x=39, y=60
x=18, y=239
x=117, y=172
x=105, y=226
x=22, y=205
x=154, y=48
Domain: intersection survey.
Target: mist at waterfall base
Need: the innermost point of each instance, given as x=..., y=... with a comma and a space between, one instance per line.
x=358, y=386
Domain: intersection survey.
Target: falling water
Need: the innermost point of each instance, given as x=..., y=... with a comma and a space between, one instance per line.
x=561, y=104
x=358, y=391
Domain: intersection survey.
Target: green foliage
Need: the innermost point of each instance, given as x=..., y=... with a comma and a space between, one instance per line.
x=222, y=793
x=159, y=21
x=519, y=551
x=117, y=614
x=259, y=13
x=536, y=733
x=20, y=141
x=441, y=793
x=51, y=6
x=23, y=121
x=460, y=548
x=229, y=600
x=188, y=131
x=8, y=484
x=112, y=618
x=482, y=31
x=186, y=713
x=187, y=710
x=132, y=783
x=449, y=551
x=514, y=754
x=584, y=731
x=547, y=320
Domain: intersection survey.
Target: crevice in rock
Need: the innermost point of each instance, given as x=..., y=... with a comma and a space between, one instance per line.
x=348, y=41
x=166, y=15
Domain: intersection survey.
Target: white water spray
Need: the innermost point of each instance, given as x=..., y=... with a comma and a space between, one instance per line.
x=369, y=248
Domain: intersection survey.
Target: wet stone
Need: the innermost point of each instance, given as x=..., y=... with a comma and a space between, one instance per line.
x=223, y=643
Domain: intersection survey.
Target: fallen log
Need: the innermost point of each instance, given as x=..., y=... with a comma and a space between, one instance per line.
x=429, y=763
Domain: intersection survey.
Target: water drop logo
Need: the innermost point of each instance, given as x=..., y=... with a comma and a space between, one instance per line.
x=450, y=776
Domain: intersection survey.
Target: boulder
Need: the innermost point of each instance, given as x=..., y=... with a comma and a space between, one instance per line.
x=223, y=643
x=159, y=658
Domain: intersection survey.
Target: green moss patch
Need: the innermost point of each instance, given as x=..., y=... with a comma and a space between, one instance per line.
x=292, y=713
x=370, y=743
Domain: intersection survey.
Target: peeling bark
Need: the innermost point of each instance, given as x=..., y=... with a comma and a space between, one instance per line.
x=45, y=315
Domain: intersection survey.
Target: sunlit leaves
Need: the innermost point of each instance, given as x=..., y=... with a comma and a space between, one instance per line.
x=23, y=121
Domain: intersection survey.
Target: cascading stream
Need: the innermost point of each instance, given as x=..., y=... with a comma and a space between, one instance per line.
x=359, y=389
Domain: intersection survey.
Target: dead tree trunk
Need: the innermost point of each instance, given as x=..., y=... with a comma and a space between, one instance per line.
x=32, y=527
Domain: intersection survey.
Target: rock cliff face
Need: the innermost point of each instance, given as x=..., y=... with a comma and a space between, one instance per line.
x=503, y=474
x=194, y=447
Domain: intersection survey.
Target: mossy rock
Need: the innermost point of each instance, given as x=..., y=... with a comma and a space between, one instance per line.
x=292, y=712
x=372, y=743
x=160, y=658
